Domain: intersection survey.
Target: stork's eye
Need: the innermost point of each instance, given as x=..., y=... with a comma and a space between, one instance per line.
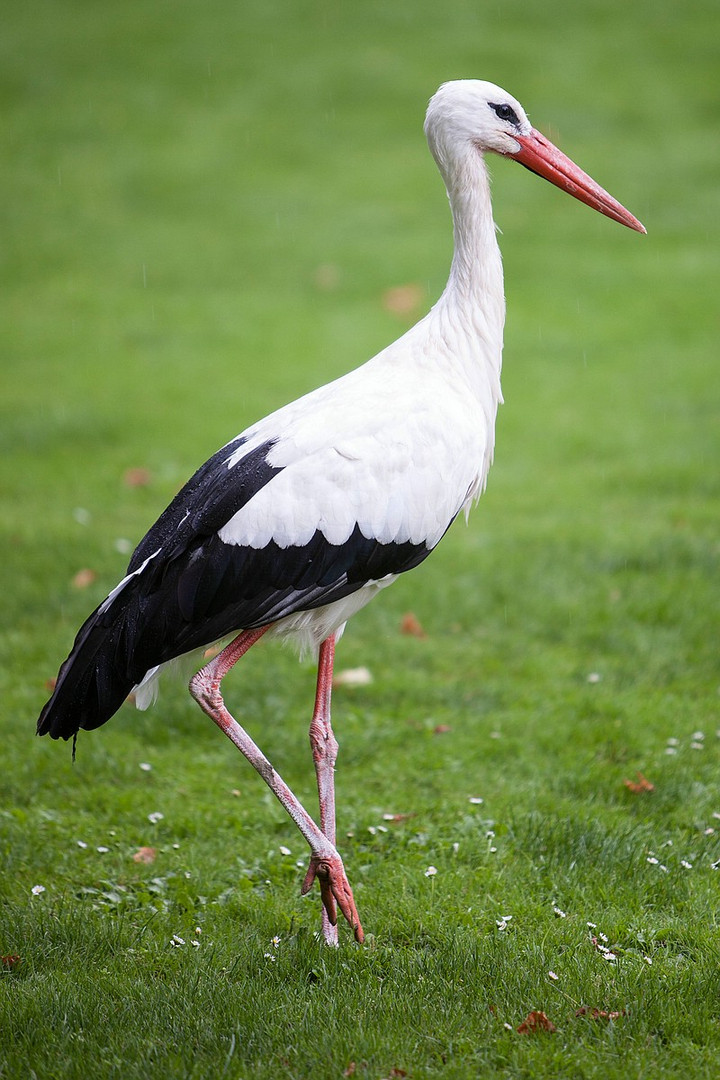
x=505, y=112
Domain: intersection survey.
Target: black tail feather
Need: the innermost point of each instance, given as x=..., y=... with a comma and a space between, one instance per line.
x=94, y=680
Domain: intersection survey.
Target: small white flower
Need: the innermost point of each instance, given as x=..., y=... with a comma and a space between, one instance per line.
x=145, y=766
x=103, y=850
x=195, y=944
x=670, y=750
x=508, y=1027
x=492, y=850
x=176, y=941
x=594, y=677
x=715, y=865
x=489, y=834
x=709, y=831
x=381, y=828
x=455, y=848
x=155, y=817
x=592, y=925
x=37, y=889
x=607, y=955
x=553, y=976
x=372, y=830
x=476, y=800
x=559, y=912
x=603, y=937
x=81, y=844
x=652, y=860
x=663, y=868
x=285, y=850
x=686, y=864
x=270, y=956
x=698, y=736
x=648, y=960
x=696, y=746
x=673, y=742
x=275, y=941
x=198, y=931
x=431, y=871
x=503, y=921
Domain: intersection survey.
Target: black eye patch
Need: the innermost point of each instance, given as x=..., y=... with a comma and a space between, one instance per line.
x=505, y=112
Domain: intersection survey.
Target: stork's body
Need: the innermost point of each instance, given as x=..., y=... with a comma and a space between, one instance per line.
x=295, y=524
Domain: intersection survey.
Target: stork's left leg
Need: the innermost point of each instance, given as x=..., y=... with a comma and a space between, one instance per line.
x=325, y=862
x=324, y=750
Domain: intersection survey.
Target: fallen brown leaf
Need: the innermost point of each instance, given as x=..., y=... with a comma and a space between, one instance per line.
x=411, y=625
x=10, y=961
x=536, y=1021
x=138, y=477
x=441, y=729
x=599, y=1014
x=640, y=785
x=83, y=578
x=327, y=277
x=145, y=855
x=403, y=299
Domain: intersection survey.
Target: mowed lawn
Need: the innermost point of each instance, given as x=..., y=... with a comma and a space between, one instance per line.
x=209, y=209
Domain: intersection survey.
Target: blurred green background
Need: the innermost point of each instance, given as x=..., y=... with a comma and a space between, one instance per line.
x=204, y=207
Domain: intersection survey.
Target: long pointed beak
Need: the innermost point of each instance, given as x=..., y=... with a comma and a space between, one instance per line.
x=540, y=156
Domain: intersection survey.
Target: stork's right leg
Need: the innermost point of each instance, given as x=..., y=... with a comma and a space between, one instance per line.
x=325, y=862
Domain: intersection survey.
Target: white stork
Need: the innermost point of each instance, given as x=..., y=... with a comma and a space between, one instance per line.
x=299, y=521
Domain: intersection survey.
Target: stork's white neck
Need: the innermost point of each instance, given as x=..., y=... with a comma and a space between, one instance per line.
x=470, y=314
x=476, y=276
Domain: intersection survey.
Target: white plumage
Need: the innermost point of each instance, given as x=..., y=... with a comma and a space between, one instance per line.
x=299, y=521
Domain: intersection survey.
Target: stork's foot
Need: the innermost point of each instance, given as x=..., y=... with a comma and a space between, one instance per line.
x=335, y=890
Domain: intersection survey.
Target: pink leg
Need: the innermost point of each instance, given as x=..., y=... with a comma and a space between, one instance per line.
x=324, y=749
x=325, y=863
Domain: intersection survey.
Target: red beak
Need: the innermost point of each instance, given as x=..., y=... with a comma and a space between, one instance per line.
x=540, y=156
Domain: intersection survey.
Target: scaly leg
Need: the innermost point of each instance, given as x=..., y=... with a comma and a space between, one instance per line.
x=324, y=750
x=325, y=862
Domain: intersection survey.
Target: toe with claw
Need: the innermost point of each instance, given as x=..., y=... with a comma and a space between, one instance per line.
x=335, y=890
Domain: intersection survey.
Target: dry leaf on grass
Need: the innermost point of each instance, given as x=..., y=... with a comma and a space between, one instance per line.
x=10, y=961
x=637, y=787
x=441, y=729
x=599, y=1014
x=138, y=477
x=411, y=625
x=404, y=300
x=145, y=855
x=83, y=578
x=536, y=1021
x=327, y=277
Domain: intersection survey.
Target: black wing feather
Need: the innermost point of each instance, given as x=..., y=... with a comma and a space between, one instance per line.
x=189, y=588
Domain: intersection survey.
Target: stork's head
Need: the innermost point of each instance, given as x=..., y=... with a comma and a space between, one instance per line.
x=471, y=117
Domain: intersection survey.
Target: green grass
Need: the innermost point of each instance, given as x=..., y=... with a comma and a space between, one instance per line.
x=202, y=207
